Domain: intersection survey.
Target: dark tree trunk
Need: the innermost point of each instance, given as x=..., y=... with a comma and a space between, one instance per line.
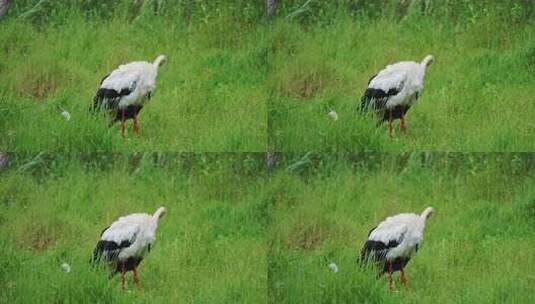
x=270, y=7
x=4, y=4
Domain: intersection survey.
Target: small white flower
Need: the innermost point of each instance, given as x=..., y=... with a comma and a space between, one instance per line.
x=333, y=267
x=333, y=115
x=66, y=115
x=66, y=267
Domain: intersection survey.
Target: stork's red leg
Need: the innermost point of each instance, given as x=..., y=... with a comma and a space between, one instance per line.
x=390, y=122
x=123, y=116
x=390, y=270
x=136, y=124
x=402, y=277
x=123, y=279
x=402, y=125
x=136, y=276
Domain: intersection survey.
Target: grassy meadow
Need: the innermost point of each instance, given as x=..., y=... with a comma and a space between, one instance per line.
x=210, y=94
x=478, y=93
x=238, y=81
x=210, y=246
x=234, y=234
x=478, y=245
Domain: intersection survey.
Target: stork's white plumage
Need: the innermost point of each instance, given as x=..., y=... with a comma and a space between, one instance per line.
x=127, y=241
x=393, y=242
x=392, y=91
x=127, y=89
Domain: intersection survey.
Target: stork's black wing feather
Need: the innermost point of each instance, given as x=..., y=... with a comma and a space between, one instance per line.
x=376, y=251
x=376, y=99
x=109, y=249
x=108, y=99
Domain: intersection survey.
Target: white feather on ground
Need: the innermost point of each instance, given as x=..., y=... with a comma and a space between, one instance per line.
x=65, y=267
x=66, y=115
x=333, y=267
x=333, y=115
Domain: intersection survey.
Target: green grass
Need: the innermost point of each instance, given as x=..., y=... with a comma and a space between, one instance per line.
x=237, y=82
x=210, y=95
x=232, y=234
x=210, y=245
x=478, y=93
x=478, y=245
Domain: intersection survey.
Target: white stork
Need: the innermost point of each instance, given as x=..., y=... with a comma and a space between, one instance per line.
x=392, y=243
x=125, y=90
x=126, y=241
x=392, y=91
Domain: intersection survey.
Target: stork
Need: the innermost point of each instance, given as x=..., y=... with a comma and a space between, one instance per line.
x=394, y=90
x=392, y=243
x=125, y=243
x=126, y=90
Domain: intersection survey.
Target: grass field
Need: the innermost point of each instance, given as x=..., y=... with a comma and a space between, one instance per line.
x=236, y=81
x=478, y=245
x=235, y=235
x=478, y=93
x=210, y=245
x=210, y=95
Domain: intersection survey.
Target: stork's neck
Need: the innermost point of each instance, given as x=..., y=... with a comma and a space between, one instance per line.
x=152, y=226
x=427, y=213
x=158, y=61
x=156, y=216
x=426, y=61
x=154, y=222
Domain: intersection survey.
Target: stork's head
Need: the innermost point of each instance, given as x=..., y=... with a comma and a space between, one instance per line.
x=427, y=61
x=159, y=213
x=160, y=60
x=427, y=213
